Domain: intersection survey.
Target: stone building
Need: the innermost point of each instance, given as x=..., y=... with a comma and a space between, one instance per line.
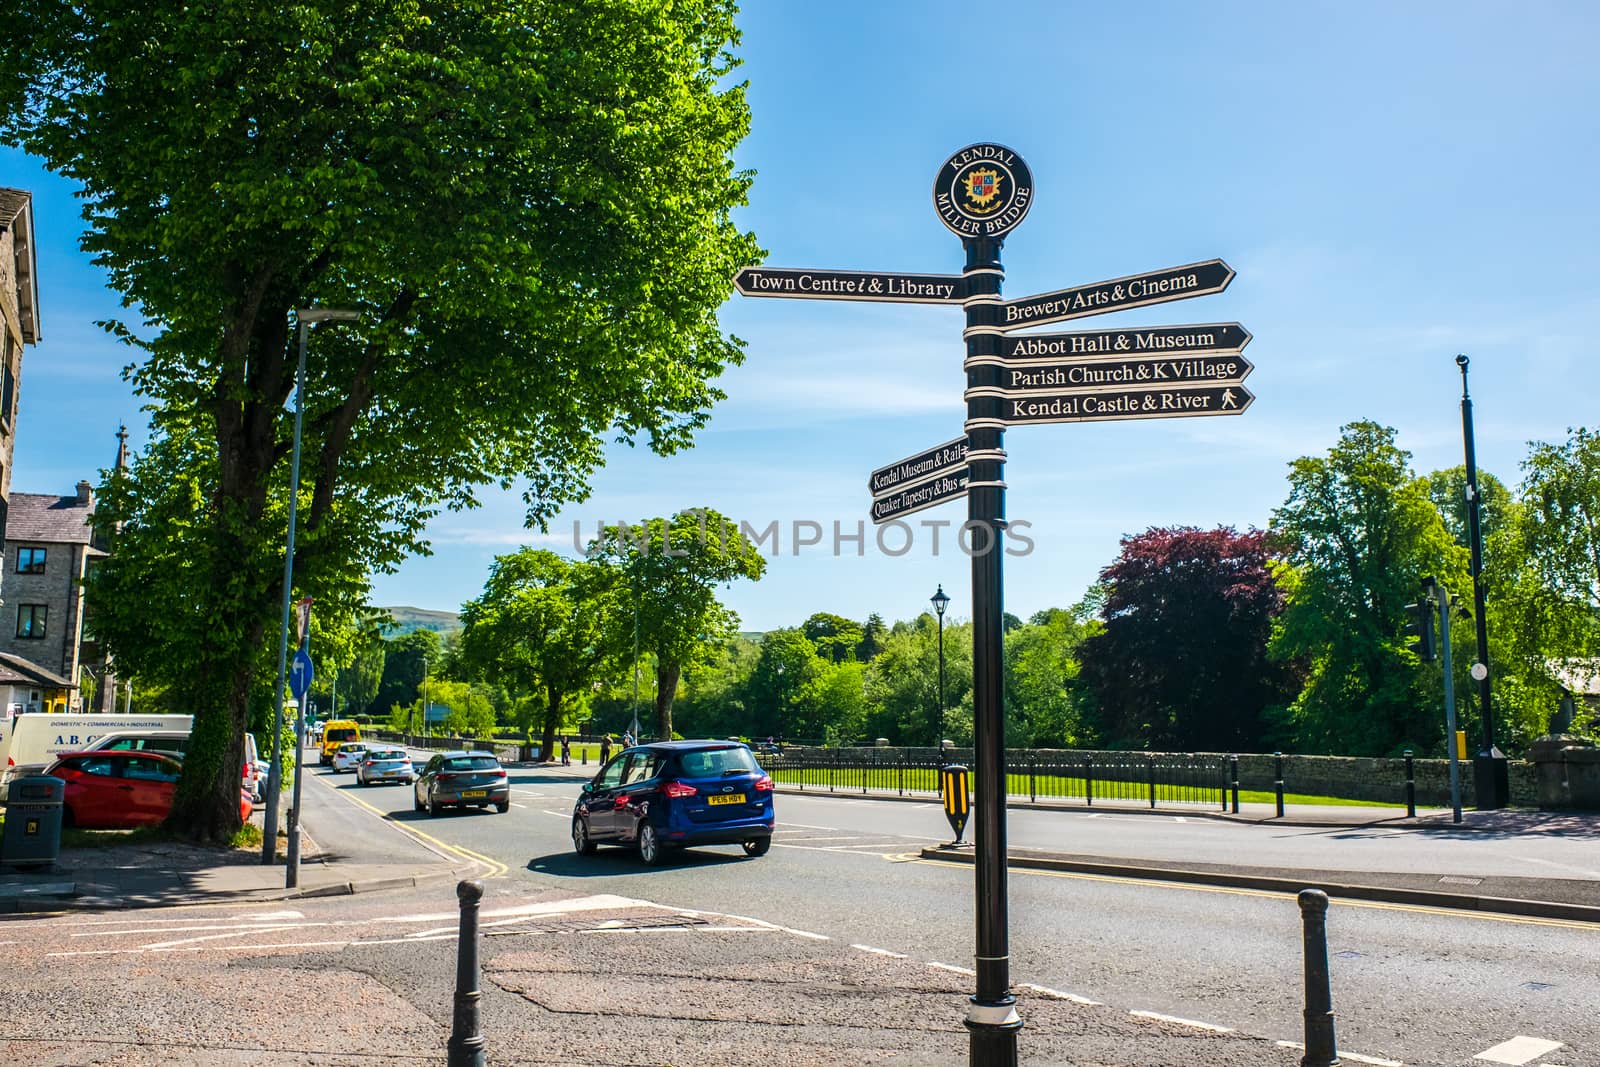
x=19, y=321
x=50, y=546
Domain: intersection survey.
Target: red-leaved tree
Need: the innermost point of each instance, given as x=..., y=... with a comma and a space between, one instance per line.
x=1182, y=662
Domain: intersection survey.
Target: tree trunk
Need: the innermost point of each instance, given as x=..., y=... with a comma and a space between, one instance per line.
x=552, y=719
x=205, y=807
x=667, y=673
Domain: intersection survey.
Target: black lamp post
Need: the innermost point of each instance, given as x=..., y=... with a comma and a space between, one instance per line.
x=1490, y=770
x=940, y=602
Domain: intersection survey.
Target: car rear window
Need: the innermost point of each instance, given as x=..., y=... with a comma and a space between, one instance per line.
x=380, y=754
x=715, y=762
x=471, y=763
x=343, y=733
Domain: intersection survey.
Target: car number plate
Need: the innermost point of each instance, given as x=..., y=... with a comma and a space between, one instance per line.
x=475, y=793
x=726, y=798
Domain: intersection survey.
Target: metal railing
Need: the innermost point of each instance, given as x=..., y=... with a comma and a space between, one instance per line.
x=1115, y=777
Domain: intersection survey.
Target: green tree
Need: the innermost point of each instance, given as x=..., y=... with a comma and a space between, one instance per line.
x=544, y=624
x=669, y=570
x=785, y=672
x=407, y=660
x=836, y=637
x=902, y=684
x=871, y=637
x=712, y=695
x=471, y=711
x=529, y=206
x=1047, y=703
x=1544, y=613
x=1359, y=532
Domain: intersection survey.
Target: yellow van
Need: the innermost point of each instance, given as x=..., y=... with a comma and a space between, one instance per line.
x=334, y=734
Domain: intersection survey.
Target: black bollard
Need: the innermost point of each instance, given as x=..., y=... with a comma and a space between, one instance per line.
x=1321, y=1050
x=1279, y=783
x=465, y=1047
x=1411, y=788
x=1233, y=769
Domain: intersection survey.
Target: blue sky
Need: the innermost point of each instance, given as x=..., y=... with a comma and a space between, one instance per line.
x=1393, y=184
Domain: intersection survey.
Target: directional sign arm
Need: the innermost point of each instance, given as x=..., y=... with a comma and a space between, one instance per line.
x=820, y=284
x=1118, y=294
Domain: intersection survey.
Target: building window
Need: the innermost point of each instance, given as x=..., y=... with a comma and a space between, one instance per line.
x=31, y=619
x=30, y=560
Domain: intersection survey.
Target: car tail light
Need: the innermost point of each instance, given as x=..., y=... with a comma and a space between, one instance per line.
x=445, y=776
x=679, y=789
x=501, y=773
x=763, y=784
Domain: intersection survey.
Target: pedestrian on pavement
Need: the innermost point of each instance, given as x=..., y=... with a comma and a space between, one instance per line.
x=605, y=749
x=627, y=739
x=566, y=751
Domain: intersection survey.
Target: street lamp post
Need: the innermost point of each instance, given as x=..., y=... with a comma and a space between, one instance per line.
x=940, y=602
x=269, y=843
x=1490, y=771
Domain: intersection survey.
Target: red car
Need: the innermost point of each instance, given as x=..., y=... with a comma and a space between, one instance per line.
x=118, y=790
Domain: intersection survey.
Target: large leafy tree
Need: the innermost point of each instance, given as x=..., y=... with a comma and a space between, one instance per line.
x=1048, y=702
x=544, y=624
x=836, y=637
x=407, y=661
x=1544, y=615
x=1181, y=662
x=1359, y=533
x=670, y=569
x=528, y=203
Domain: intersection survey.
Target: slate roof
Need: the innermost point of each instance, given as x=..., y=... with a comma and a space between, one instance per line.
x=50, y=519
x=14, y=670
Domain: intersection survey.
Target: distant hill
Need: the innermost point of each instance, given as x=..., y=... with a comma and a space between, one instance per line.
x=408, y=619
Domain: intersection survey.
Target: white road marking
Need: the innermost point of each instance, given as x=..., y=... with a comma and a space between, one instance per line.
x=1158, y=1017
x=190, y=940
x=1519, y=1050
x=880, y=952
x=1353, y=1057
x=237, y=927
x=514, y=804
x=1057, y=994
x=968, y=971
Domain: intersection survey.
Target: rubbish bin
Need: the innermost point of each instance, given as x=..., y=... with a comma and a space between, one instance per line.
x=33, y=822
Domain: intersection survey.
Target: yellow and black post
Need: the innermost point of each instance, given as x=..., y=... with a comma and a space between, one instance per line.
x=954, y=790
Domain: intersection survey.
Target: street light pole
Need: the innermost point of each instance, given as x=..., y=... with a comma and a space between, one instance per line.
x=269, y=836
x=1491, y=779
x=940, y=602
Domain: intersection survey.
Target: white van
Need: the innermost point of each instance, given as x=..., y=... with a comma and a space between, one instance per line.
x=33, y=741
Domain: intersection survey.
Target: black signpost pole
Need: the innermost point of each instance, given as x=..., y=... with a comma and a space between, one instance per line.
x=992, y=1019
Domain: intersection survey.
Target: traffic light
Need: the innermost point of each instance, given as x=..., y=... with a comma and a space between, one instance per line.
x=1420, y=628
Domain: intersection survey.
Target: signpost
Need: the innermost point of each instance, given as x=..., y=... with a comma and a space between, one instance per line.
x=1119, y=294
x=301, y=672
x=1160, y=403
x=887, y=286
x=919, y=495
x=940, y=459
x=1214, y=338
x=981, y=193
x=1098, y=374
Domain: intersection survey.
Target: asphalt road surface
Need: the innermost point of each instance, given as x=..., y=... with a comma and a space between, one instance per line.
x=1410, y=984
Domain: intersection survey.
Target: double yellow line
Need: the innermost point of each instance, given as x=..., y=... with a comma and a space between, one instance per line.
x=494, y=868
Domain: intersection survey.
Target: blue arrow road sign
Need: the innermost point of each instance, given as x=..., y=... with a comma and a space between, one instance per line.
x=300, y=672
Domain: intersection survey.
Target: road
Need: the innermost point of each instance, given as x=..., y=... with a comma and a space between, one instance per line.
x=1410, y=984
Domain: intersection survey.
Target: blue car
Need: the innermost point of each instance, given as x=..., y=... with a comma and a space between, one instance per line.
x=674, y=794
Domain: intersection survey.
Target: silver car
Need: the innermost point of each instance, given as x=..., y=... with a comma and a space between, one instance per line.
x=385, y=765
